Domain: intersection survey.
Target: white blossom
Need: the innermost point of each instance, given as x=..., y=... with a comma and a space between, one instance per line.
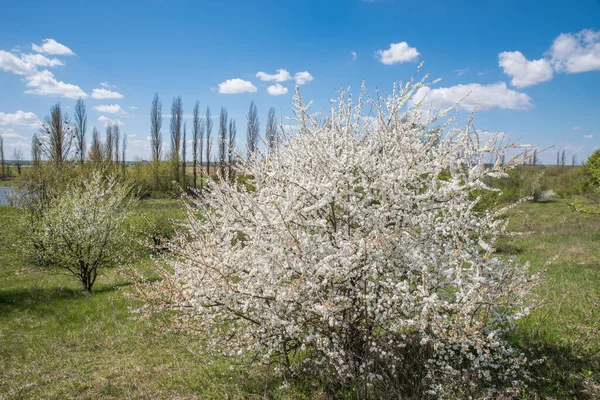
x=356, y=241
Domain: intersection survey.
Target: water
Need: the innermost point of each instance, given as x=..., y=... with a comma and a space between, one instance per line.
x=5, y=193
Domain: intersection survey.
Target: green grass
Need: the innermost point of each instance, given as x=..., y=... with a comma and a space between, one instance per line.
x=57, y=342
x=9, y=183
x=564, y=329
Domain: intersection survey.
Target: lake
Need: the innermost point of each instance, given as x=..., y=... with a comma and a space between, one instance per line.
x=5, y=193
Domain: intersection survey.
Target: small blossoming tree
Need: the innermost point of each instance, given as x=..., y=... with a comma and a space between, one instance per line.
x=355, y=250
x=81, y=231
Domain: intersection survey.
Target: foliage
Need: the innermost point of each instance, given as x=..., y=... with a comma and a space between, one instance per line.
x=154, y=230
x=591, y=171
x=591, y=180
x=565, y=181
x=358, y=254
x=79, y=232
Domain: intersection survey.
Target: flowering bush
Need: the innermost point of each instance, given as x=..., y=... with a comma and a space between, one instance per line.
x=356, y=252
x=81, y=231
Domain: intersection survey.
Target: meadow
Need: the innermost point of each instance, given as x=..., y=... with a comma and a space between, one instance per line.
x=60, y=342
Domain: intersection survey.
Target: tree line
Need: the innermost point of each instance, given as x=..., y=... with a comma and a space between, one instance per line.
x=202, y=141
x=61, y=139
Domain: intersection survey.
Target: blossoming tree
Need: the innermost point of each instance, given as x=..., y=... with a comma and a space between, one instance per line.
x=80, y=231
x=355, y=251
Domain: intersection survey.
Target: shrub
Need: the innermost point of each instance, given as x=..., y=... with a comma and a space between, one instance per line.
x=591, y=181
x=591, y=171
x=358, y=254
x=79, y=232
x=154, y=229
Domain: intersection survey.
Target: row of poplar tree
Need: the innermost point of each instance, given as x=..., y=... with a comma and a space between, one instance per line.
x=62, y=139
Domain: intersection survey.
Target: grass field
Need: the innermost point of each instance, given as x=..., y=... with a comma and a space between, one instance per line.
x=58, y=342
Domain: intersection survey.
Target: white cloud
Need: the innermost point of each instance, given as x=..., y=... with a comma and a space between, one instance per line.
x=44, y=84
x=277, y=90
x=574, y=148
x=108, y=85
x=133, y=108
x=485, y=97
x=290, y=128
x=25, y=64
x=40, y=82
x=106, y=121
x=12, y=141
x=282, y=75
x=576, y=128
x=19, y=118
x=236, y=86
x=576, y=52
x=462, y=71
x=40, y=60
x=303, y=77
x=397, y=53
x=9, y=62
x=588, y=136
x=110, y=109
x=51, y=46
x=524, y=72
x=353, y=56
x=9, y=134
x=487, y=136
x=104, y=94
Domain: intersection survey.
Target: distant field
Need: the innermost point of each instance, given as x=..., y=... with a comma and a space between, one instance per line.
x=10, y=183
x=57, y=342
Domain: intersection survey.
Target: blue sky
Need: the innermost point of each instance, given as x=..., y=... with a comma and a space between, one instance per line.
x=533, y=67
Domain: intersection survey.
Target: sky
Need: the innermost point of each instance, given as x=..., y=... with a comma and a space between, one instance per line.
x=532, y=68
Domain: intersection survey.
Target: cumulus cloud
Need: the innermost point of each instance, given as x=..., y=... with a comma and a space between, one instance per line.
x=12, y=141
x=282, y=75
x=9, y=134
x=524, y=72
x=51, y=46
x=103, y=94
x=397, y=53
x=40, y=82
x=576, y=52
x=110, y=109
x=19, y=118
x=277, y=90
x=588, y=136
x=303, y=77
x=570, y=52
x=25, y=64
x=236, y=86
x=485, y=97
x=106, y=121
x=107, y=85
x=45, y=84
x=40, y=60
x=10, y=62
